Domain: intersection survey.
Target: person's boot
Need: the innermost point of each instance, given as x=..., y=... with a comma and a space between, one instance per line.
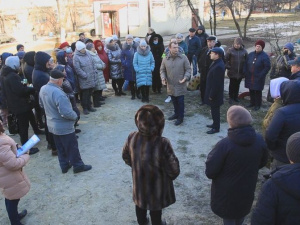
x=86, y=111
x=82, y=168
x=91, y=109
x=54, y=152
x=96, y=100
x=117, y=93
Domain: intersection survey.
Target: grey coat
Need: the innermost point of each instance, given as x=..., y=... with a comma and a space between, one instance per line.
x=114, y=57
x=173, y=70
x=59, y=112
x=85, y=70
x=100, y=66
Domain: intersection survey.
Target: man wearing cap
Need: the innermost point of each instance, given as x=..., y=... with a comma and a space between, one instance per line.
x=194, y=48
x=175, y=71
x=233, y=166
x=60, y=120
x=204, y=62
x=279, y=200
x=295, y=68
x=215, y=88
x=256, y=70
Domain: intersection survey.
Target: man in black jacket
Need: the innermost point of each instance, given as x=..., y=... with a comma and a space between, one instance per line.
x=17, y=96
x=215, y=88
x=279, y=201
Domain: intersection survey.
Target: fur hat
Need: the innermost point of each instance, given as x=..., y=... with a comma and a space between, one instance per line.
x=179, y=35
x=238, y=116
x=289, y=46
x=79, y=45
x=19, y=46
x=275, y=86
x=150, y=120
x=89, y=46
x=56, y=74
x=293, y=148
x=129, y=36
x=261, y=43
x=13, y=62
x=143, y=43
x=108, y=40
x=238, y=41
x=64, y=44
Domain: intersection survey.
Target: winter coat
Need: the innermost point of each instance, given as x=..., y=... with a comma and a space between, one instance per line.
x=157, y=49
x=233, y=166
x=256, y=68
x=61, y=59
x=103, y=56
x=40, y=74
x=17, y=95
x=270, y=114
x=28, y=65
x=285, y=122
x=183, y=45
x=175, y=69
x=194, y=45
x=114, y=57
x=99, y=65
x=280, y=67
x=203, y=36
x=127, y=61
x=214, y=92
x=235, y=60
x=204, y=62
x=279, y=200
x=295, y=76
x=85, y=69
x=59, y=112
x=143, y=63
x=14, y=183
x=153, y=162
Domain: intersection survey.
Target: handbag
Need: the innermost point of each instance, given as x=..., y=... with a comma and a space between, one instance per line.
x=12, y=124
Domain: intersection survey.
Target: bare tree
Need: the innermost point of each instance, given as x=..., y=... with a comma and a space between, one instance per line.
x=213, y=20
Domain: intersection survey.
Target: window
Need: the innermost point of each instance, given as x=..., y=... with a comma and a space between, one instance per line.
x=158, y=4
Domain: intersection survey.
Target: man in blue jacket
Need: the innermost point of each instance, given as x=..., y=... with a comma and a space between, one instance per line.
x=279, y=201
x=60, y=121
x=194, y=48
x=215, y=88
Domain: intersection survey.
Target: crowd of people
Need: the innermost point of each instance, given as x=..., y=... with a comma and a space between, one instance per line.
x=44, y=91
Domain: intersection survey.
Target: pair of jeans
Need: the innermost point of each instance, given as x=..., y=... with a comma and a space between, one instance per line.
x=234, y=87
x=233, y=221
x=178, y=103
x=215, y=114
x=193, y=60
x=68, y=151
x=86, y=98
x=141, y=215
x=12, y=211
x=255, y=98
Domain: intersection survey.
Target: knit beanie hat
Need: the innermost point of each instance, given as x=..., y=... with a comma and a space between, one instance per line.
x=293, y=148
x=143, y=43
x=129, y=36
x=137, y=39
x=89, y=46
x=108, y=40
x=115, y=37
x=238, y=41
x=80, y=45
x=64, y=44
x=275, y=86
x=13, y=62
x=289, y=46
x=238, y=116
x=19, y=46
x=179, y=36
x=261, y=43
x=150, y=120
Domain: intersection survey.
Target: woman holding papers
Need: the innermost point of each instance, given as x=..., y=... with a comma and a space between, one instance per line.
x=14, y=183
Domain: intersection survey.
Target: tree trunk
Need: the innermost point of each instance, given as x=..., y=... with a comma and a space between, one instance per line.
x=194, y=11
x=248, y=17
x=235, y=21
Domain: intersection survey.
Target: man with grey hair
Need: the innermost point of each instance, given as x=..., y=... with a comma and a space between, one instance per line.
x=60, y=120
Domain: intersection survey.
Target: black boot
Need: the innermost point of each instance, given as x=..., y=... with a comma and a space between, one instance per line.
x=96, y=100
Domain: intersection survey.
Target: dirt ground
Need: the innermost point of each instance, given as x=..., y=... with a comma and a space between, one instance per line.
x=103, y=196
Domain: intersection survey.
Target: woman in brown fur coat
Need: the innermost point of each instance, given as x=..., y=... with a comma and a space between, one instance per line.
x=154, y=165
